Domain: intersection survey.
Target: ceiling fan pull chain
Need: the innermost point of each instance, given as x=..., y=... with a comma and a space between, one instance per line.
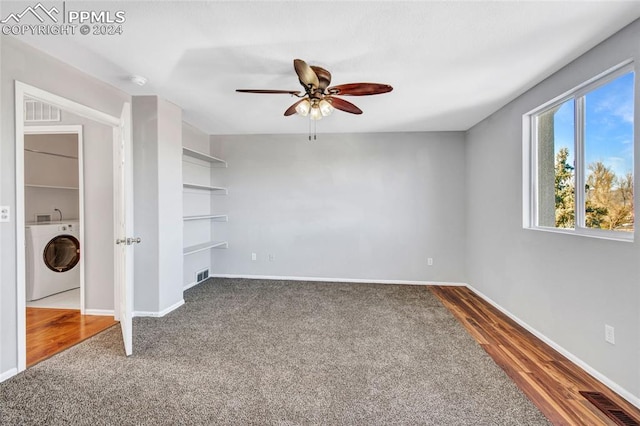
x=309, y=120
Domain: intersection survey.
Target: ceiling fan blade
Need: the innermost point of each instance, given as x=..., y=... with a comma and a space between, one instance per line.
x=269, y=91
x=292, y=109
x=343, y=105
x=360, y=89
x=324, y=77
x=306, y=74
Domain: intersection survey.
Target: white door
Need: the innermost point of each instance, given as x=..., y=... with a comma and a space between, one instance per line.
x=123, y=190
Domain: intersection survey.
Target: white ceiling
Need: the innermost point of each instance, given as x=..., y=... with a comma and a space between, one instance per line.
x=451, y=63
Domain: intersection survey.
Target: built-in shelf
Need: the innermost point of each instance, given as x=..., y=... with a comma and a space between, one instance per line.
x=214, y=217
x=217, y=162
x=29, y=185
x=205, y=246
x=204, y=187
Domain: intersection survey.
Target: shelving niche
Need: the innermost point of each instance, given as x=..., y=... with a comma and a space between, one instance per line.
x=198, y=187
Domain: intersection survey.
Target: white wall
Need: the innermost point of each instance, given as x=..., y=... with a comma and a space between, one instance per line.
x=566, y=287
x=352, y=206
x=23, y=63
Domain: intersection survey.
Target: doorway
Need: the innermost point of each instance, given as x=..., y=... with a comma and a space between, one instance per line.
x=55, y=240
x=54, y=217
x=120, y=131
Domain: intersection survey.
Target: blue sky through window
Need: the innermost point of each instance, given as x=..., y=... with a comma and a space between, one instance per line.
x=608, y=126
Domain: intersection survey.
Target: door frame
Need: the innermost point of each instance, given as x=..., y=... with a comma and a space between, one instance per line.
x=23, y=90
x=70, y=130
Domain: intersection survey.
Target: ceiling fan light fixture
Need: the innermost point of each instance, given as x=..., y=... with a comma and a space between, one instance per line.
x=303, y=108
x=315, y=113
x=325, y=107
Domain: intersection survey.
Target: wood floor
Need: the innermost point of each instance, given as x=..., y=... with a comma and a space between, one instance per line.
x=551, y=381
x=50, y=331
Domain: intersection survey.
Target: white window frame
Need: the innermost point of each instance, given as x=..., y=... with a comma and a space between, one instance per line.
x=530, y=158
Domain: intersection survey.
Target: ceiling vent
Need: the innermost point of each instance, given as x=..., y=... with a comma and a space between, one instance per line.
x=38, y=112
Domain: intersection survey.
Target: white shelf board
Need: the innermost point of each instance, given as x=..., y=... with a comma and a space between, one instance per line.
x=205, y=246
x=50, y=186
x=214, y=217
x=204, y=157
x=205, y=187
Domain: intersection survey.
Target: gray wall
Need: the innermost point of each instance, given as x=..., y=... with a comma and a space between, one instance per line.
x=196, y=203
x=157, y=151
x=353, y=206
x=51, y=170
x=21, y=62
x=566, y=287
x=98, y=213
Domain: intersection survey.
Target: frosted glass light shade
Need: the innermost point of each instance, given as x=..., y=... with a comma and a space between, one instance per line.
x=303, y=108
x=315, y=113
x=325, y=108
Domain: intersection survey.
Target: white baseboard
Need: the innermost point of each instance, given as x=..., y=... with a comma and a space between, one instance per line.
x=193, y=284
x=8, y=374
x=571, y=357
x=335, y=280
x=160, y=313
x=102, y=312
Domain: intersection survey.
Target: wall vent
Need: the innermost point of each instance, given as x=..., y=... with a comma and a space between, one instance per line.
x=38, y=112
x=202, y=275
x=610, y=409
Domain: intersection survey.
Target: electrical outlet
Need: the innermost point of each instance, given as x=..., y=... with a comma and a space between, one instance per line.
x=609, y=334
x=254, y=256
x=5, y=214
x=272, y=257
x=430, y=261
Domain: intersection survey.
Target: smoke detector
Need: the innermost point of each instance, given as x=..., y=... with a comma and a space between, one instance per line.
x=138, y=79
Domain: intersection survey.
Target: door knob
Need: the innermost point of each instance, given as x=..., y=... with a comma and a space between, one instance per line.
x=129, y=241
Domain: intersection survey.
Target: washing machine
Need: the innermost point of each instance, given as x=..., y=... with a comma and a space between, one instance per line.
x=53, y=256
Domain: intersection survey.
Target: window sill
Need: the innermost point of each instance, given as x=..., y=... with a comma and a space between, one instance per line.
x=626, y=237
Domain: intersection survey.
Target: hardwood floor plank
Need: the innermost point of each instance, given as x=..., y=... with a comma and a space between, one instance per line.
x=549, y=380
x=50, y=331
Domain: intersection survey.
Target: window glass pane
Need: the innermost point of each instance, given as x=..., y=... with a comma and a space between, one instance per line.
x=556, y=182
x=608, y=153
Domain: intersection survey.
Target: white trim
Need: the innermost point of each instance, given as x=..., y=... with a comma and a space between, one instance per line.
x=336, y=280
x=160, y=313
x=78, y=131
x=8, y=374
x=21, y=297
x=193, y=284
x=101, y=312
x=571, y=357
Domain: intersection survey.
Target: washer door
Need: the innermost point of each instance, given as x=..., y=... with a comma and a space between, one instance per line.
x=62, y=253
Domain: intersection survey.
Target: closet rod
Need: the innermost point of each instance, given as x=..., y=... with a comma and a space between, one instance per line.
x=50, y=153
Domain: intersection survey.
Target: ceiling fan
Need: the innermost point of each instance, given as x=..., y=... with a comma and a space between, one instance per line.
x=319, y=100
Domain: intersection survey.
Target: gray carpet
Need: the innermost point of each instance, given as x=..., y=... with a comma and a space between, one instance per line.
x=277, y=353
